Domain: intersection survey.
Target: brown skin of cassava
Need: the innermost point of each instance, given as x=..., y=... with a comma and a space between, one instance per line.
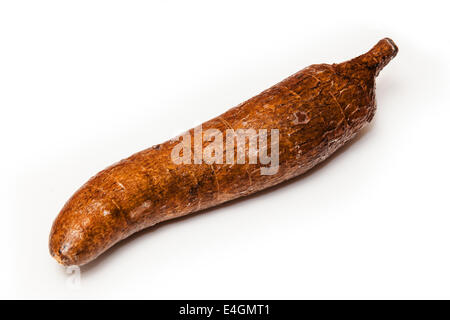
x=316, y=110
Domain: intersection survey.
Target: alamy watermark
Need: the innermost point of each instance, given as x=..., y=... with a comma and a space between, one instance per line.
x=73, y=281
x=231, y=150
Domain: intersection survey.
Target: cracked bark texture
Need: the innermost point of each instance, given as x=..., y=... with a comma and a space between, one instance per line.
x=316, y=110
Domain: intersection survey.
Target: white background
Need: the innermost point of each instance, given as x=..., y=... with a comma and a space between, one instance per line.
x=86, y=83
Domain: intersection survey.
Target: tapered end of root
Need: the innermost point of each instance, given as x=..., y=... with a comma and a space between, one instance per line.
x=57, y=252
x=380, y=55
